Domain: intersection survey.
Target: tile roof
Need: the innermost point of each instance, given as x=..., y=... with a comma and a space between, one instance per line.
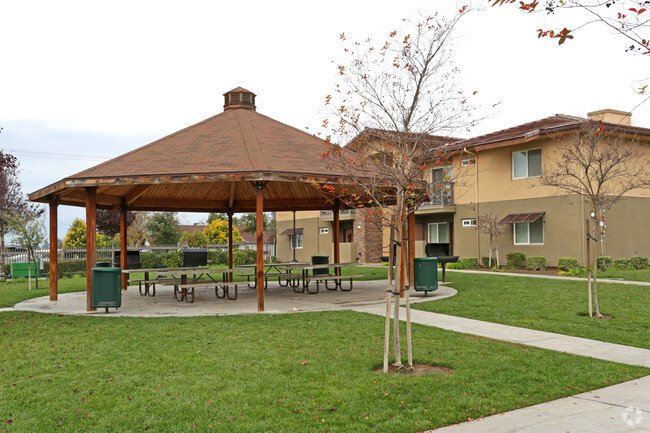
x=234, y=141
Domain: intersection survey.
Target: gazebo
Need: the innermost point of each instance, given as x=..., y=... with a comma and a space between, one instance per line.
x=236, y=161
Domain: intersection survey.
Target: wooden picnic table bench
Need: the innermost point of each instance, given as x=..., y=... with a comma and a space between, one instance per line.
x=336, y=278
x=187, y=284
x=150, y=283
x=280, y=270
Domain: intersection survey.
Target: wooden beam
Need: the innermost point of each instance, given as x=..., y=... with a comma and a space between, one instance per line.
x=231, y=198
x=259, y=211
x=123, y=245
x=54, y=250
x=135, y=192
x=91, y=243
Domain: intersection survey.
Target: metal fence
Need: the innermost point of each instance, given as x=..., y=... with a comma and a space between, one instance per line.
x=19, y=255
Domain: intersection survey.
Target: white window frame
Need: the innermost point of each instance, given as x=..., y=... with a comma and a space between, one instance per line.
x=526, y=153
x=514, y=234
x=324, y=230
x=437, y=231
x=299, y=241
x=468, y=222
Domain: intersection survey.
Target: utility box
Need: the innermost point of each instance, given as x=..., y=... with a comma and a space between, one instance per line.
x=22, y=270
x=106, y=288
x=320, y=260
x=425, y=273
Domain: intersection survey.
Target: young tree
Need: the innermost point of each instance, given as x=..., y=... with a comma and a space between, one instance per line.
x=216, y=216
x=12, y=201
x=217, y=232
x=164, y=228
x=109, y=223
x=197, y=239
x=29, y=230
x=249, y=222
x=601, y=165
x=392, y=98
x=75, y=238
x=489, y=224
x=137, y=233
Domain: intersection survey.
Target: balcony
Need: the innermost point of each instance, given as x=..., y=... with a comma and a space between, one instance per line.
x=441, y=195
x=344, y=214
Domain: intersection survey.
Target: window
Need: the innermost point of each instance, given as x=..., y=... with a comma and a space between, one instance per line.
x=469, y=222
x=438, y=233
x=324, y=230
x=527, y=164
x=296, y=240
x=468, y=162
x=529, y=233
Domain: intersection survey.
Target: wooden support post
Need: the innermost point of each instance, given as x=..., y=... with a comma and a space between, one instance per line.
x=259, y=223
x=54, y=250
x=91, y=242
x=230, y=243
x=337, y=237
x=123, y=245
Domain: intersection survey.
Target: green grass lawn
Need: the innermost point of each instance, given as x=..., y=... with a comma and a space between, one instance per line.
x=14, y=291
x=281, y=373
x=550, y=305
x=624, y=274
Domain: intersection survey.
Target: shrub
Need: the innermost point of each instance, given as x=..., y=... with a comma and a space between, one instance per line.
x=70, y=268
x=7, y=269
x=216, y=257
x=604, y=263
x=151, y=261
x=485, y=260
x=273, y=259
x=575, y=272
x=173, y=259
x=623, y=263
x=566, y=263
x=244, y=257
x=536, y=263
x=469, y=262
x=639, y=262
x=515, y=259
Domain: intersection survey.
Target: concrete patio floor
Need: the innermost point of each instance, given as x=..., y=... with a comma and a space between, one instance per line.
x=277, y=300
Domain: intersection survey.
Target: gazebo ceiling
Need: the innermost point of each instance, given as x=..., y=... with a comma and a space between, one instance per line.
x=212, y=166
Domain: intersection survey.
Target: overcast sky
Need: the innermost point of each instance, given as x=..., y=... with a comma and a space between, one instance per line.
x=86, y=81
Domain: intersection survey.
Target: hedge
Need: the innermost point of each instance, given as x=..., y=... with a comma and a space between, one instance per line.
x=485, y=260
x=623, y=263
x=567, y=263
x=536, y=263
x=469, y=262
x=515, y=259
x=639, y=262
x=604, y=263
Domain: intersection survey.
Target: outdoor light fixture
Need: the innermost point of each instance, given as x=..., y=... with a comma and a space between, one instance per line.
x=592, y=214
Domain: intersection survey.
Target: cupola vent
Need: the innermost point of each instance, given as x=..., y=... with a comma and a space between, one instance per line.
x=239, y=98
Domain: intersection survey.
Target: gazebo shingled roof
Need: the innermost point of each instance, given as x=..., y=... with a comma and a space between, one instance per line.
x=211, y=167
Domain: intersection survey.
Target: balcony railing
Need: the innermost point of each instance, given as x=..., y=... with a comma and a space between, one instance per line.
x=329, y=213
x=441, y=195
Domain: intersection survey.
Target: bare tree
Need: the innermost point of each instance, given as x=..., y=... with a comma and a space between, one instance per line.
x=395, y=103
x=601, y=164
x=109, y=223
x=29, y=230
x=489, y=225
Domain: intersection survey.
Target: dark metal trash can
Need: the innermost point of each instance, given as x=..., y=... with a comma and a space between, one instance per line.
x=320, y=260
x=106, y=288
x=103, y=264
x=425, y=273
x=195, y=257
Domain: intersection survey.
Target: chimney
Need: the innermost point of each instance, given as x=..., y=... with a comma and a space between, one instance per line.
x=611, y=116
x=239, y=98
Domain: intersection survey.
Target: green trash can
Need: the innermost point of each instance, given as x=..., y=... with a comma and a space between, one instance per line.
x=106, y=288
x=22, y=270
x=103, y=264
x=425, y=274
x=320, y=260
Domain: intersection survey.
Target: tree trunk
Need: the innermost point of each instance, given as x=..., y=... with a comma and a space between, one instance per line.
x=595, y=274
x=389, y=289
x=398, y=273
x=591, y=314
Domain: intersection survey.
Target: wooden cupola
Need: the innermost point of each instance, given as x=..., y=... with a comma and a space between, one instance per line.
x=239, y=98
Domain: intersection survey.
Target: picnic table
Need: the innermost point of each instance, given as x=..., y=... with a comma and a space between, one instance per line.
x=189, y=278
x=279, y=270
x=150, y=283
x=336, y=278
